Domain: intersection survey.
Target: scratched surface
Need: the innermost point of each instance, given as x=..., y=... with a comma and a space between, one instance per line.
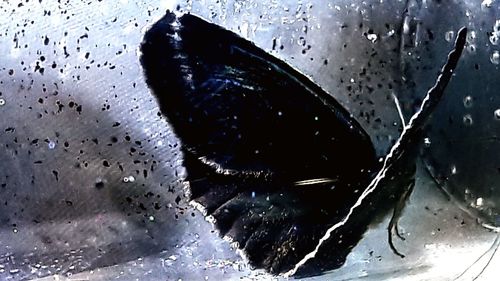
x=90, y=175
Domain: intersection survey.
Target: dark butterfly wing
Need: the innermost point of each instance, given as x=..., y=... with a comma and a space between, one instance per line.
x=251, y=128
x=244, y=110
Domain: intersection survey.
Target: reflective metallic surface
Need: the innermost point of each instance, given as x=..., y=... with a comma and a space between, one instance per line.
x=91, y=177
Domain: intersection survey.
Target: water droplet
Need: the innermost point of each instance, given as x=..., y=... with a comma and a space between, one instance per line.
x=448, y=36
x=468, y=101
x=471, y=35
x=486, y=4
x=495, y=34
x=479, y=201
x=494, y=39
x=468, y=120
x=471, y=49
x=14, y=271
x=2, y=102
x=497, y=114
x=52, y=145
x=468, y=13
x=495, y=57
x=372, y=37
x=99, y=183
x=453, y=170
x=129, y=179
x=427, y=142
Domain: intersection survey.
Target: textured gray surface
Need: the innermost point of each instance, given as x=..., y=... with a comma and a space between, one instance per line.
x=74, y=134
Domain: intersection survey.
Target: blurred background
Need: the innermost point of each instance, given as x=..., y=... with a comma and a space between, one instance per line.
x=91, y=174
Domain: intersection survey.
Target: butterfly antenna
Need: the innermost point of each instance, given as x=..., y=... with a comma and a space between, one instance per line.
x=400, y=112
x=417, y=121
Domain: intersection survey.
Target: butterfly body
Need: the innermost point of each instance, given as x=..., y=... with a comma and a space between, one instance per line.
x=273, y=159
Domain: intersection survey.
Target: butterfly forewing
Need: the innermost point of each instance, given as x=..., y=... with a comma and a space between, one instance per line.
x=242, y=109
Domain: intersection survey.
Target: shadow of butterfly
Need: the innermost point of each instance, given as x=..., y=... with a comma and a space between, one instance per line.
x=280, y=167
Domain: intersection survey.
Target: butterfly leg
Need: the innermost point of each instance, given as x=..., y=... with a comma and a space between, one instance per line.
x=393, y=224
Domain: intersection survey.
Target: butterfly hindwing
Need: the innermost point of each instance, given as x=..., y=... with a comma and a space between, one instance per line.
x=273, y=222
x=251, y=127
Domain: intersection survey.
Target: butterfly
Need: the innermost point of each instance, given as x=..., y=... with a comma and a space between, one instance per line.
x=277, y=164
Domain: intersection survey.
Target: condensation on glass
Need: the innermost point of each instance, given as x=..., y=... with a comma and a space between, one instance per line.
x=91, y=176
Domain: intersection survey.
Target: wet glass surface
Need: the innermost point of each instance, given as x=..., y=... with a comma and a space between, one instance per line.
x=91, y=174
